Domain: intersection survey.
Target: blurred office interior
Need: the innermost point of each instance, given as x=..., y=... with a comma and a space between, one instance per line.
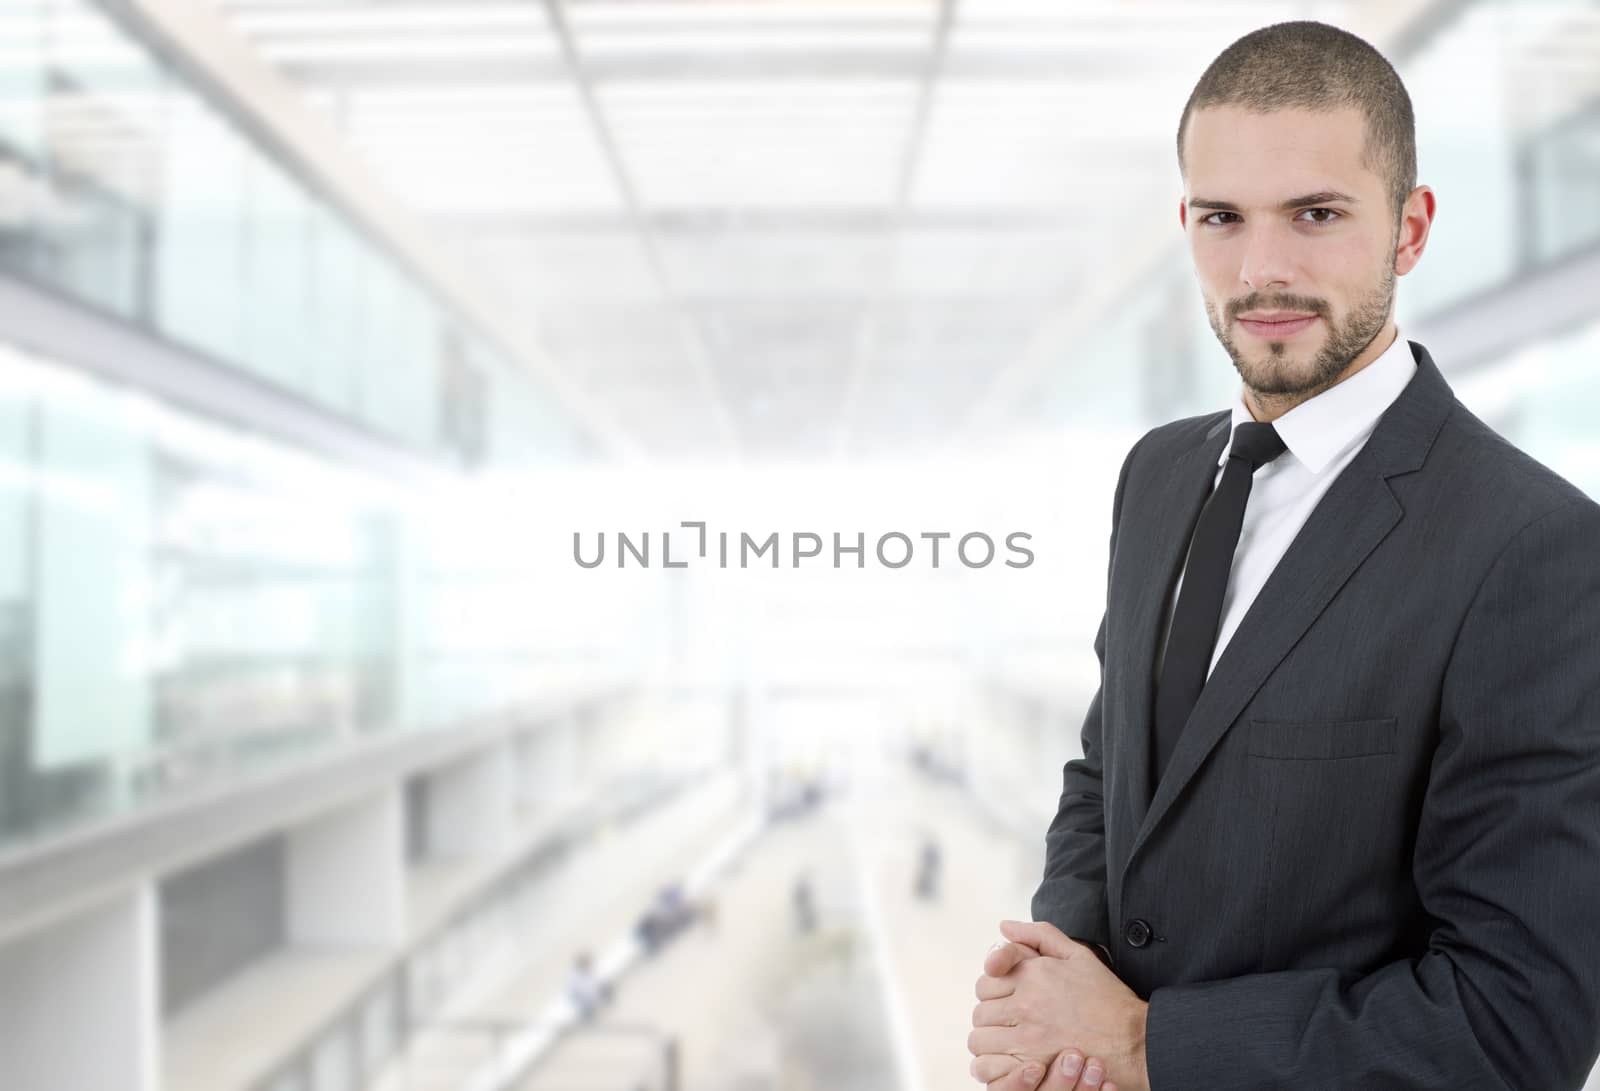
x=327, y=328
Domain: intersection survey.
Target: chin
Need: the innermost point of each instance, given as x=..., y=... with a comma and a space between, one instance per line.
x=1279, y=375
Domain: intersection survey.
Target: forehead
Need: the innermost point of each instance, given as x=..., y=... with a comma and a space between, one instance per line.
x=1247, y=151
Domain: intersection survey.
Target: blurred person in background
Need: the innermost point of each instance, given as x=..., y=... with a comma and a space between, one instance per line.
x=926, y=886
x=1334, y=825
x=585, y=989
x=669, y=913
x=805, y=906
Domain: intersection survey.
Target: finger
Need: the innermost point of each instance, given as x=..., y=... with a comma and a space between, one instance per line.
x=1003, y=957
x=1025, y=1077
x=994, y=1013
x=1042, y=936
x=988, y=1067
x=981, y=1040
x=1071, y=1072
x=993, y=988
x=1064, y=1072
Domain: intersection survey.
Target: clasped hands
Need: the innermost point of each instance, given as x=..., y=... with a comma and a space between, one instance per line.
x=1052, y=1017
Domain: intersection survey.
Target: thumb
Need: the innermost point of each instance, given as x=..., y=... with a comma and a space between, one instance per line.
x=1042, y=936
x=1027, y=1076
x=1062, y=1077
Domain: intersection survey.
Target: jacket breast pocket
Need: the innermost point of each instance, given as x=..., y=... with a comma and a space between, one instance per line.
x=1321, y=740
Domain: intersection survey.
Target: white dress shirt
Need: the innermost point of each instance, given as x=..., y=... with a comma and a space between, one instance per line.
x=1322, y=435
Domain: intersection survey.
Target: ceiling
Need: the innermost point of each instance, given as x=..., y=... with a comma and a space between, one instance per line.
x=778, y=229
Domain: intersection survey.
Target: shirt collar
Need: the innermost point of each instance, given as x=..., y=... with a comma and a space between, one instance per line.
x=1320, y=429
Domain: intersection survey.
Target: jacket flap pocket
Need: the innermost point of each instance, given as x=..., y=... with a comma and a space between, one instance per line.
x=1317, y=739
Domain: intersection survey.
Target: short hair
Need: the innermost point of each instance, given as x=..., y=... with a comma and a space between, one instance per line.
x=1315, y=66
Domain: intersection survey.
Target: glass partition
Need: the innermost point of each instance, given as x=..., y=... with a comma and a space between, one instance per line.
x=182, y=600
x=1562, y=173
x=125, y=188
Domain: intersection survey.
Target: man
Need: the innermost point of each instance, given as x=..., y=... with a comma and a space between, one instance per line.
x=586, y=990
x=1337, y=819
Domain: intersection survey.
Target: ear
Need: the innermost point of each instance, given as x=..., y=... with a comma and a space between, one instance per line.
x=1183, y=213
x=1415, y=220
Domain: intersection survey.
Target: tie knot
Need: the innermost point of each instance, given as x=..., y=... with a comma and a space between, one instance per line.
x=1256, y=443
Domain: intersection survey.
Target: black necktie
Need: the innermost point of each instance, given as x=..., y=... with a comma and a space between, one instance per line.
x=1199, y=611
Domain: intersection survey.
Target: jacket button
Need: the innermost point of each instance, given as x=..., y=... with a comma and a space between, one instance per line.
x=1137, y=932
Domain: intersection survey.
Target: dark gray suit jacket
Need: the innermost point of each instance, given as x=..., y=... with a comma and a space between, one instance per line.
x=1374, y=858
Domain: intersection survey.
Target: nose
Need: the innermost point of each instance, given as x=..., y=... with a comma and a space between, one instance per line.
x=1266, y=262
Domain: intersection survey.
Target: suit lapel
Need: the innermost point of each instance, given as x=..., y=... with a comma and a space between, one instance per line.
x=1169, y=510
x=1353, y=517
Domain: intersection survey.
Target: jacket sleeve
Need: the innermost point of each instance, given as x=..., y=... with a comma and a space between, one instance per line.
x=1507, y=864
x=1072, y=895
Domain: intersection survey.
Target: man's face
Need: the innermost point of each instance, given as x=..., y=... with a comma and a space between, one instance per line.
x=1295, y=294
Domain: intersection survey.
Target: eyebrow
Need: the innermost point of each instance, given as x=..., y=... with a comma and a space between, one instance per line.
x=1310, y=200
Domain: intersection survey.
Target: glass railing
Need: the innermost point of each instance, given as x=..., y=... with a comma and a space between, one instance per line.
x=125, y=188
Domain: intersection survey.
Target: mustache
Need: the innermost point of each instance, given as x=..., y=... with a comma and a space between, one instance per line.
x=1304, y=304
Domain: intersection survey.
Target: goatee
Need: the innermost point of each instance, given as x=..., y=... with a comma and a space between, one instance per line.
x=1277, y=375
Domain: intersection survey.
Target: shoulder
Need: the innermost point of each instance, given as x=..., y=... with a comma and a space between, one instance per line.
x=1493, y=479
x=1175, y=437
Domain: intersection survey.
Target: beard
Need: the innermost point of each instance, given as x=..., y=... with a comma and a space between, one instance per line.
x=1277, y=373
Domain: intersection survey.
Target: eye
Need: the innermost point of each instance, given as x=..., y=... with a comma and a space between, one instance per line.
x=1206, y=219
x=1331, y=214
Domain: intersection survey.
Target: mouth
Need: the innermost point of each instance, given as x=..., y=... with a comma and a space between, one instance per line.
x=1276, y=329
